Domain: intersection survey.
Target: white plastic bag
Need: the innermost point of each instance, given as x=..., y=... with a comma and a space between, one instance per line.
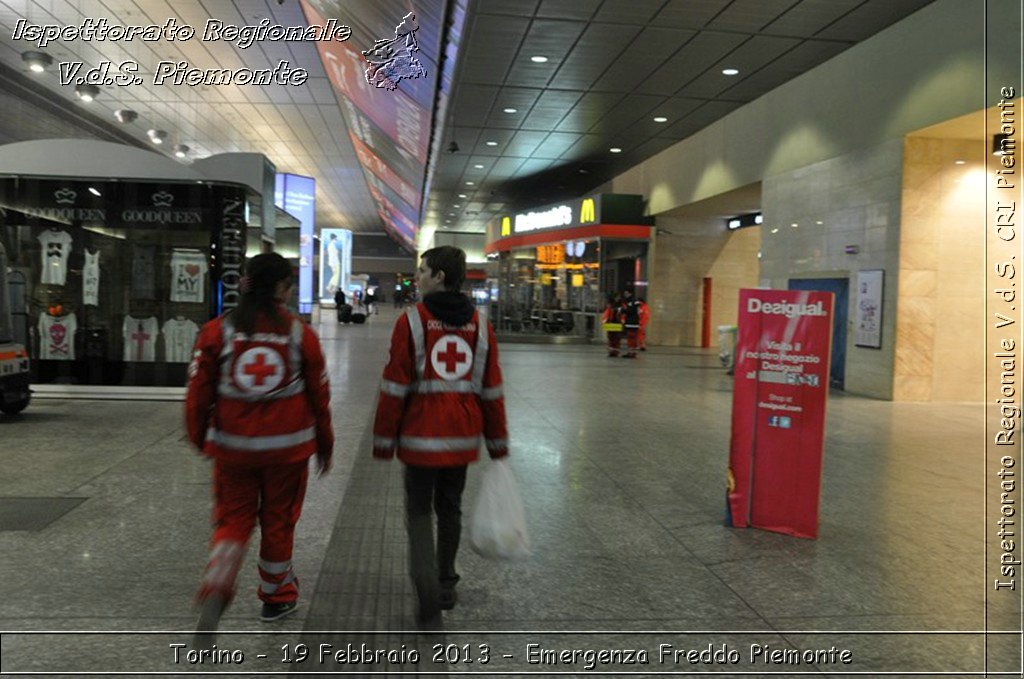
x=497, y=528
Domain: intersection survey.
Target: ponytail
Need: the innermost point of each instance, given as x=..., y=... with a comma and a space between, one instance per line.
x=263, y=273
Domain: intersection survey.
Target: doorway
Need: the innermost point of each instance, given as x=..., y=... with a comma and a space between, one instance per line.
x=840, y=288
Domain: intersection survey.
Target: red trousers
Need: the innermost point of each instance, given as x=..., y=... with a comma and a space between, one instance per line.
x=642, y=338
x=242, y=495
x=631, y=338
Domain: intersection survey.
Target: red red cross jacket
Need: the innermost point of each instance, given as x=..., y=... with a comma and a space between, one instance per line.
x=259, y=399
x=440, y=393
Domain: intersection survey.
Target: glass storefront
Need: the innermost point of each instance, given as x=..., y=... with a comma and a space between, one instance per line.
x=560, y=288
x=120, y=276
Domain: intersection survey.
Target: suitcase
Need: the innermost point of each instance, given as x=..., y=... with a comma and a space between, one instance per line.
x=359, y=317
x=345, y=313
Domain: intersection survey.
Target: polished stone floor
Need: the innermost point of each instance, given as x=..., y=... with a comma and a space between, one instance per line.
x=621, y=466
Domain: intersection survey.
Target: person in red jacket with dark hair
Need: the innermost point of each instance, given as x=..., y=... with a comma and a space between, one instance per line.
x=259, y=404
x=440, y=393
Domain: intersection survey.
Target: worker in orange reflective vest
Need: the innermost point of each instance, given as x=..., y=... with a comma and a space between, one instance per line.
x=611, y=323
x=645, y=318
x=440, y=393
x=258, y=403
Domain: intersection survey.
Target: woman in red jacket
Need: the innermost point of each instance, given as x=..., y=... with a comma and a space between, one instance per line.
x=440, y=393
x=259, y=404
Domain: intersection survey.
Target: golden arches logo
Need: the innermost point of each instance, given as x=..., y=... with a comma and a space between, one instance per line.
x=587, y=211
x=506, y=226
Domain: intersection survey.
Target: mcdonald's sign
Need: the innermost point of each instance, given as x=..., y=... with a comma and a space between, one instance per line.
x=587, y=213
x=506, y=226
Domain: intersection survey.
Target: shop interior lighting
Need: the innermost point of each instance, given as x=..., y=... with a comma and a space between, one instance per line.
x=615, y=149
x=125, y=115
x=470, y=183
x=758, y=218
x=462, y=195
x=794, y=225
x=157, y=136
x=491, y=143
x=511, y=110
x=37, y=61
x=740, y=221
x=478, y=167
x=734, y=224
x=730, y=71
x=961, y=162
x=539, y=59
x=457, y=205
x=819, y=222
x=87, y=92
x=181, y=150
x=660, y=119
x=94, y=191
x=775, y=230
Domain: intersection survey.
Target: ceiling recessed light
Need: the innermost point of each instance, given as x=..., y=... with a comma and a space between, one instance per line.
x=491, y=143
x=94, y=191
x=87, y=92
x=819, y=222
x=125, y=115
x=775, y=230
x=961, y=162
x=660, y=119
x=730, y=71
x=470, y=183
x=37, y=61
x=510, y=110
x=181, y=150
x=794, y=225
x=615, y=149
x=157, y=136
x=538, y=59
x=478, y=167
x=457, y=205
x=462, y=195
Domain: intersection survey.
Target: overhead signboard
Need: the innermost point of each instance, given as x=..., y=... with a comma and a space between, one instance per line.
x=606, y=208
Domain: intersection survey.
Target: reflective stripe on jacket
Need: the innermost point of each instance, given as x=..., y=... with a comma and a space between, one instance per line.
x=262, y=398
x=441, y=392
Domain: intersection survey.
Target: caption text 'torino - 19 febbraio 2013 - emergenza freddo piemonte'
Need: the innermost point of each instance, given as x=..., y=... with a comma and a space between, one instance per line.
x=178, y=72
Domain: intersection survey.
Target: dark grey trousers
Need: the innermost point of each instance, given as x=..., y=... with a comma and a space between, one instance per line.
x=431, y=490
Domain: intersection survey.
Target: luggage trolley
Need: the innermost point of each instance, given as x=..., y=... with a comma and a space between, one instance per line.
x=14, y=391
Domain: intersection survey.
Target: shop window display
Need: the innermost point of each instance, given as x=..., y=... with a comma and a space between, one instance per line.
x=121, y=277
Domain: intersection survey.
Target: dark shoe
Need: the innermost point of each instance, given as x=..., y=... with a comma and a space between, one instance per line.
x=209, y=618
x=631, y=354
x=448, y=598
x=272, y=612
x=643, y=348
x=613, y=354
x=429, y=604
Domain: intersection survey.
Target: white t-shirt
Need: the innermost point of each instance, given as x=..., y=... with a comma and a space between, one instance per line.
x=188, y=271
x=91, y=279
x=57, y=337
x=140, y=338
x=179, y=338
x=54, y=253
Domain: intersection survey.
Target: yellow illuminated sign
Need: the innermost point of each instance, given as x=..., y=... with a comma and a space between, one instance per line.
x=577, y=280
x=551, y=254
x=506, y=226
x=587, y=211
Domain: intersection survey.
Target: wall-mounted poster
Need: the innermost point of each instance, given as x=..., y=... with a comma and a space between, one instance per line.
x=335, y=262
x=868, y=314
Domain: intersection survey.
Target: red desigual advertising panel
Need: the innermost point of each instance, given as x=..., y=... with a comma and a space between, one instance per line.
x=778, y=410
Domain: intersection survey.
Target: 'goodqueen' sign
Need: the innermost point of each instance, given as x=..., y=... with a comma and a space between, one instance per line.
x=178, y=72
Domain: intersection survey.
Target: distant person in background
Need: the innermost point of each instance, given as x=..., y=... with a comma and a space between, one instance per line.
x=611, y=322
x=630, y=322
x=645, y=318
x=371, y=299
x=339, y=303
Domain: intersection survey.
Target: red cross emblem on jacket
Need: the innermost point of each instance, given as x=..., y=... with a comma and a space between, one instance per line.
x=452, y=358
x=259, y=369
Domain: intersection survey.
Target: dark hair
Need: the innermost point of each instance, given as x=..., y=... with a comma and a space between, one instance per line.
x=449, y=259
x=262, y=274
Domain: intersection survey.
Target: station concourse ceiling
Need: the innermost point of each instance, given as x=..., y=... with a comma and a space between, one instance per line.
x=611, y=68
